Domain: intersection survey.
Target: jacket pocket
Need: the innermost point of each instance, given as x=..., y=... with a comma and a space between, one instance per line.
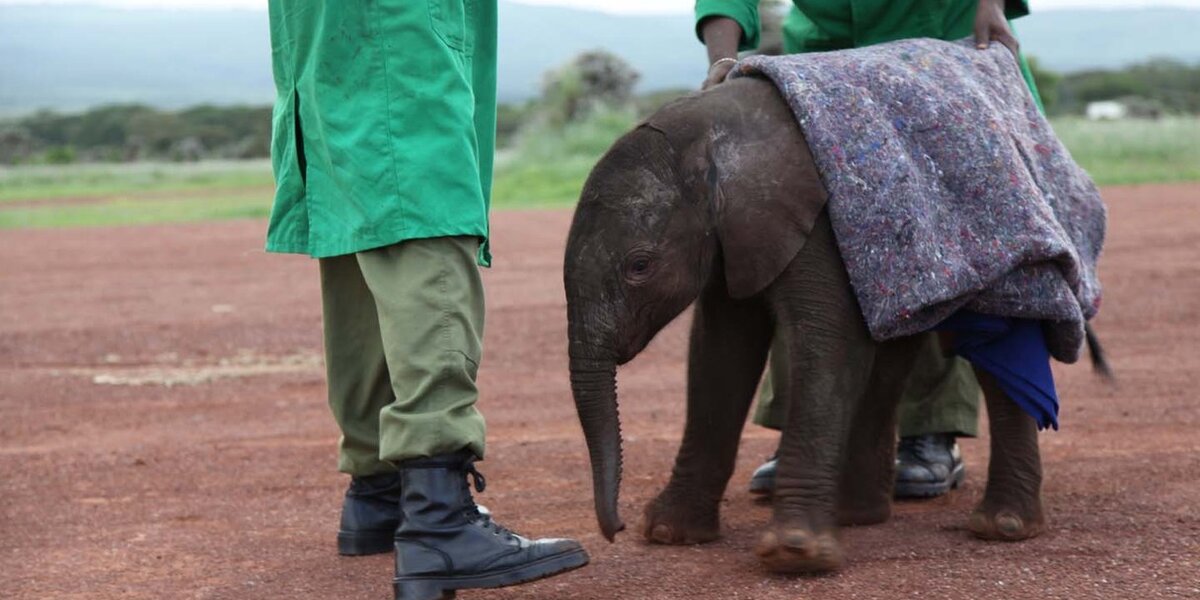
x=448, y=19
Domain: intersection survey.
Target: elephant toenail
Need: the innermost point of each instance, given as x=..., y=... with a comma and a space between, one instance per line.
x=661, y=533
x=797, y=539
x=1008, y=524
x=767, y=545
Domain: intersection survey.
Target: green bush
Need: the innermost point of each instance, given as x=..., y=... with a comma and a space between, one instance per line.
x=60, y=155
x=590, y=82
x=1171, y=84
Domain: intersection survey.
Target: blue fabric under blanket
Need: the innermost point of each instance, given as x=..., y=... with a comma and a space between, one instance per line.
x=1014, y=352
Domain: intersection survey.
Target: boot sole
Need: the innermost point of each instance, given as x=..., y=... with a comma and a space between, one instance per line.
x=931, y=490
x=762, y=486
x=443, y=588
x=365, y=544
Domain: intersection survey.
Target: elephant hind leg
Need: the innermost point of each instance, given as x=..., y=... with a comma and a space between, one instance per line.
x=867, y=479
x=1011, y=509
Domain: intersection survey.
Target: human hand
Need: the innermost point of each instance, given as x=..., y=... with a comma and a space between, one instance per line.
x=718, y=72
x=991, y=25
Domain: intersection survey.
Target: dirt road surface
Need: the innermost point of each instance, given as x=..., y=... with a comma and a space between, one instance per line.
x=164, y=433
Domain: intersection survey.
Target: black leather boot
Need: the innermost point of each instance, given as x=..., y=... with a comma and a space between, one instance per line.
x=928, y=465
x=762, y=482
x=446, y=543
x=370, y=515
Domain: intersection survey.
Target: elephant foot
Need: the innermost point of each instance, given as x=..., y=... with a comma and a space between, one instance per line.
x=864, y=515
x=792, y=550
x=1006, y=524
x=668, y=520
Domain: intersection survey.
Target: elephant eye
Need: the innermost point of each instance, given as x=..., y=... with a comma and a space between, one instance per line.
x=638, y=267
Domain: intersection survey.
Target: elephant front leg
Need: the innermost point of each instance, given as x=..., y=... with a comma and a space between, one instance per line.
x=802, y=537
x=729, y=343
x=1011, y=509
x=830, y=355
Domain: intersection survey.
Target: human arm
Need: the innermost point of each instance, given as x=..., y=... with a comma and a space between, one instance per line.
x=725, y=27
x=721, y=36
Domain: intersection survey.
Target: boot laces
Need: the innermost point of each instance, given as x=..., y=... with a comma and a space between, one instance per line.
x=925, y=448
x=472, y=511
x=476, y=477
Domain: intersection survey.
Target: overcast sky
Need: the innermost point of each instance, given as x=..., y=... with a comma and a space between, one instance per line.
x=620, y=6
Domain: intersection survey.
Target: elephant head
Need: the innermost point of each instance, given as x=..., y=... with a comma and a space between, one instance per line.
x=717, y=188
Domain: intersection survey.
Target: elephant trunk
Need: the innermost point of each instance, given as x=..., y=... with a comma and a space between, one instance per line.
x=594, y=386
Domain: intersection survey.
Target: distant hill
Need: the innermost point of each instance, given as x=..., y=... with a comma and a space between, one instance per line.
x=71, y=57
x=1076, y=40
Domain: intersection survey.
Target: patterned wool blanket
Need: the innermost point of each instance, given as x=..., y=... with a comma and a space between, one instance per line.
x=947, y=187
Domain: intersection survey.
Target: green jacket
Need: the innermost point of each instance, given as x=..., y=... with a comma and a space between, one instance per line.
x=384, y=123
x=821, y=25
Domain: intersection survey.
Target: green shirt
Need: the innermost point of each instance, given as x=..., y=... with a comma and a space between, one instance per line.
x=817, y=25
x=384, y=122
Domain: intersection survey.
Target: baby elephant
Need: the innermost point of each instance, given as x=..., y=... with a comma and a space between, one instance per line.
x=716, y=199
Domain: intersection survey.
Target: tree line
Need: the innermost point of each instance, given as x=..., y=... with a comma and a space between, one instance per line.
x=133, y=132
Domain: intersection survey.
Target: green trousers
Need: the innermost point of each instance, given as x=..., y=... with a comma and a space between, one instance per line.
x=403, y=340
x=941, y=395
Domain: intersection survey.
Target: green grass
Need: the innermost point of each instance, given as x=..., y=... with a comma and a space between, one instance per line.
x=139, y=211
x=541, y=184
x=1127, y=152
x=101, y=180
x=546, y=167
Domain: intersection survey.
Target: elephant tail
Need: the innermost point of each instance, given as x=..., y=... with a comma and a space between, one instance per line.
x=1096, y=350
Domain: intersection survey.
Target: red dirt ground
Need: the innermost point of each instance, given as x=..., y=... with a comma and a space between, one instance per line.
x=222, y=485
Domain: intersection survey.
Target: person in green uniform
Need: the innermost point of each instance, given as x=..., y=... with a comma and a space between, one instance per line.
x=941, y=399
x=384, y=132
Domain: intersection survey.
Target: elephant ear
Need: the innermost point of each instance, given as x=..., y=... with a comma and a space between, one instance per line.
x=767, y=195
x=741, y=150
